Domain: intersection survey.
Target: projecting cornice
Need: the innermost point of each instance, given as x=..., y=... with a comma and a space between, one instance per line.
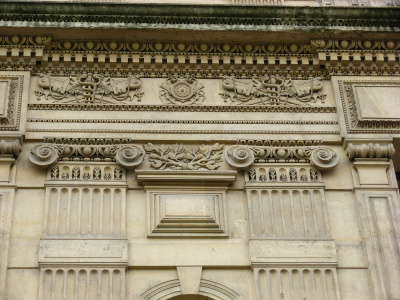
x=196, y=17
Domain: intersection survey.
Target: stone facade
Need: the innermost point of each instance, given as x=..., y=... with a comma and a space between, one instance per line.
x=199, y=152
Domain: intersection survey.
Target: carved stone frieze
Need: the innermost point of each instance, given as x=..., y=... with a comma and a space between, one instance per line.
x=280, y=143
x=182, y=91
x=181, y=108
x=65, y=171
x=106, y=150
x=241, y=157
x=180, y=157
x=88, y=88
x=272, y=90
x=370, y=151
x=196, y=47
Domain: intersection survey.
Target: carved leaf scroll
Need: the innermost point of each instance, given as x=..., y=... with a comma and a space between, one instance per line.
x=180, y=157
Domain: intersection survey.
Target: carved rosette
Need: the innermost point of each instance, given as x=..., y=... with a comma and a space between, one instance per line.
x=182, y=91
x=239, y=157
x=370, y=151
x=43, y=155
x=324, y=158
x=129, y=156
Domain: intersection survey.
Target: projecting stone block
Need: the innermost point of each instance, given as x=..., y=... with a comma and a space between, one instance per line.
x=74, y=251
x=291, y=251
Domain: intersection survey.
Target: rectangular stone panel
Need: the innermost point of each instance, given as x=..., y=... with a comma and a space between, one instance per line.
x=376, y=102
x=186, y=213
x=71, y=251
x=4, y=89
x=269, y=251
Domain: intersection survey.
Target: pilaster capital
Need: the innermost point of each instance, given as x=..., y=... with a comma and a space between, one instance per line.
x=243, y=156
x=102, y=150
x=369, y=149
x=10, y=147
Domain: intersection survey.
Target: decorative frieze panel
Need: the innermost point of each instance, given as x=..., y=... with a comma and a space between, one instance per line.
x=100, y=171
x=296, y=283
x=262, y=173
x=272, y=90
x=180, y=157
x=88, y=88
x=81, y=283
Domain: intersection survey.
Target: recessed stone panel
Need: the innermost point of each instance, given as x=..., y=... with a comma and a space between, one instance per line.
x=376, y=102
x=186, y=213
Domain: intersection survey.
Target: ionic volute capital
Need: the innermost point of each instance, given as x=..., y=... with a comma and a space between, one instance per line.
x=127, y=155
x=243, y=156
x=239, y=157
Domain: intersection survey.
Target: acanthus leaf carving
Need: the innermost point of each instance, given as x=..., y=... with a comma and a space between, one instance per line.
x=180, y=157
x=272, y=90
x=88, y=89
x=182, y=91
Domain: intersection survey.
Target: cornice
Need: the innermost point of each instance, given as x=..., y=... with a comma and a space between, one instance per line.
x=34, y=14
